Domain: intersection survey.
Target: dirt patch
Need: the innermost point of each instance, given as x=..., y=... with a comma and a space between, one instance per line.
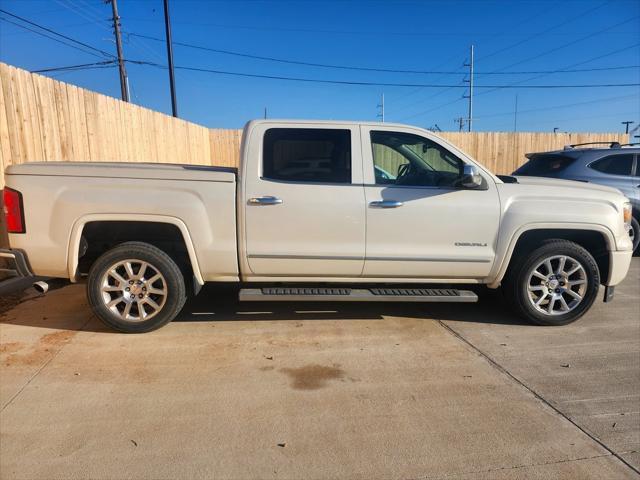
x=313, y=377
x=46, y=346
x=11, y=347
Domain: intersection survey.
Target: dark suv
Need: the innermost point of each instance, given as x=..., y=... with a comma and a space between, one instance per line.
x=617, y=166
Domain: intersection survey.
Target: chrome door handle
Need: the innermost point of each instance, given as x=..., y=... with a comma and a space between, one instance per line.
x=386, y=204
x=266, y=200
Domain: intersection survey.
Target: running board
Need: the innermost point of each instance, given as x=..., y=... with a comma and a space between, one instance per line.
x=294, y=294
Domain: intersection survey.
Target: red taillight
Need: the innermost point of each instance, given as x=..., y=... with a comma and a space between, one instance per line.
x=13, y=210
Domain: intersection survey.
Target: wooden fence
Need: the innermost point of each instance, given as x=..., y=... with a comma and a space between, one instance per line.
x=42, y=119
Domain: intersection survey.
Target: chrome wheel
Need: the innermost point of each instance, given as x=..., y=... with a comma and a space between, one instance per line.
x=134, y=290
x=557, y=285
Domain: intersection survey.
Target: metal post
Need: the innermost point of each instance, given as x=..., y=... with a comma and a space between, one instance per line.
x=124, y=83
x=381, y=107
x=172, y=81
x=626, y=124
x=470, y=119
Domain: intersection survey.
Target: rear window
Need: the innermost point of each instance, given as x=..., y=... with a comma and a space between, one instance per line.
x=307, y=155
x=614, y=164
x=544, y=165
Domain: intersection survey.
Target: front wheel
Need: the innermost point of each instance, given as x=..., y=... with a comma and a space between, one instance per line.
x=634, y=233
x=554, y=285
x=135, y=288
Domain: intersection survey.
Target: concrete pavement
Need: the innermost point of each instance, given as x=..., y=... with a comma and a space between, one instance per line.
x=319, y=391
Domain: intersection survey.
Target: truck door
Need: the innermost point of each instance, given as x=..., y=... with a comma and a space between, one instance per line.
x=420, y=222
x=304, y=201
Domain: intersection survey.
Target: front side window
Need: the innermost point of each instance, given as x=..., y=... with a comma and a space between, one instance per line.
x=614, y=164
x=411, y=160
x=307, y=155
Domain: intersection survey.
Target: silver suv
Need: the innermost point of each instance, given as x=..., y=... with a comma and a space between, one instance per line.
x=617, y=166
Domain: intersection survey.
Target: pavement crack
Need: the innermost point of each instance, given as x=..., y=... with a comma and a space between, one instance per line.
x=41, y=368
x=515, y=467
x=537, y=395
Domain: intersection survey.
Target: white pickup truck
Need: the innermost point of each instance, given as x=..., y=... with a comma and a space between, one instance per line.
x=318, y=211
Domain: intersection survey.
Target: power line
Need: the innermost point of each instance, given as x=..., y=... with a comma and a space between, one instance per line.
x=544, y=32
x=81, y=66
x=57, y=33
x=366, y=69
x=379, y=84
x=50, y=37
x=554, y=107
x=608, y=54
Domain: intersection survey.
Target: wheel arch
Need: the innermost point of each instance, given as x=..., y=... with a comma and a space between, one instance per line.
x=146, y=220
x=596, y=239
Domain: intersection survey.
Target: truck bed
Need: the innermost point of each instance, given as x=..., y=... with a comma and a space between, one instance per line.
x=161, y=171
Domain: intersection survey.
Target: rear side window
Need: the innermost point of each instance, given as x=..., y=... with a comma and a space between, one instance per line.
x=307, y=155
x=544, y=165
x=614, y=164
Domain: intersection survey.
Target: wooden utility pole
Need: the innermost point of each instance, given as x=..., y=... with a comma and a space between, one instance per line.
x=124, y=81
x=172, y=80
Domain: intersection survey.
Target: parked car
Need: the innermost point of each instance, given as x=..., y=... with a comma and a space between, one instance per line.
x=318, y=211
x=616, y=166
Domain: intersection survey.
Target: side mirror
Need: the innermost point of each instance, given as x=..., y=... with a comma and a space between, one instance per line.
x=471, y=177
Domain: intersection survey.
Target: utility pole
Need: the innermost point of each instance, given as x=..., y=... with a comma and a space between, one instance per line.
x=470, y=96
x=381, y=107
x=172, y=80
x=626, y=125
x=265, y=113
x=124, y=81
x=460, y=121
x=515, y=116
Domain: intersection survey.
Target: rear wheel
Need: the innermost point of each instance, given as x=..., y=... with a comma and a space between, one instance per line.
x=135, y=287
x=555, y=285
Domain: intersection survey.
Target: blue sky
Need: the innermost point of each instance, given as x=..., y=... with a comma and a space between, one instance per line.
x=531, y=36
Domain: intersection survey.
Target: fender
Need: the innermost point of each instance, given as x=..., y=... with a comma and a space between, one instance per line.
x=78, y=227
x=500, y=267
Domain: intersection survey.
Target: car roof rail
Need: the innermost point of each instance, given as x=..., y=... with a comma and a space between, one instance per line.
x=611, y=144
x=629, y=144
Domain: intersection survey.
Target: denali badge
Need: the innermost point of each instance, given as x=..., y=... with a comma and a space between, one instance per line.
x=470, y=244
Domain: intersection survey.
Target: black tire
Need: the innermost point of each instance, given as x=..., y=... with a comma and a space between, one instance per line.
x=517, y=282
x=171, y=282
x=635, y=233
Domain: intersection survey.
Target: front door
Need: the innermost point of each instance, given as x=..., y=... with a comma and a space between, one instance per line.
x=421, y=223
x=304, y=206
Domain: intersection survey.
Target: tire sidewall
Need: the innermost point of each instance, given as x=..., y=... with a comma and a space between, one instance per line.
x=161, y=262
x=635, y=225
x=554, y=249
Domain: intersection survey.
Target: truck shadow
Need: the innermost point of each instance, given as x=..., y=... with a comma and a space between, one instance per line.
x=220, y=305
x=215, y=304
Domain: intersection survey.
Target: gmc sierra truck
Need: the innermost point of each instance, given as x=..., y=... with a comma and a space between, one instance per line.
x=318, y=211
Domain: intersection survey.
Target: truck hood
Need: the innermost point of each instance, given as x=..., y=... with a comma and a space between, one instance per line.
x=569, y=184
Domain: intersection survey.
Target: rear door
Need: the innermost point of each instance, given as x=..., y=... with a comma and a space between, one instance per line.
x=304, y=201
x=614, y=170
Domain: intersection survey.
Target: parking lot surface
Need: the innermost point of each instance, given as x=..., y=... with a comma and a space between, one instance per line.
x=320, y=391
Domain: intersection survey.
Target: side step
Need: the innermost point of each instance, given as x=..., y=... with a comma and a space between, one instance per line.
x=305, y=294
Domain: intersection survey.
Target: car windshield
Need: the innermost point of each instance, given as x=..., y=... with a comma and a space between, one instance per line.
x=542, y=165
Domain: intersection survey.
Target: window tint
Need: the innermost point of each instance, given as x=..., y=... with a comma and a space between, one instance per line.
x=406, y=159
x=614, y=164
x=544, y=165
x=307, y=155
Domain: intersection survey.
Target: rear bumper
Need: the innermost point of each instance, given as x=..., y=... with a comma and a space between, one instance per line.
x=619, y=263
x=18, y=263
